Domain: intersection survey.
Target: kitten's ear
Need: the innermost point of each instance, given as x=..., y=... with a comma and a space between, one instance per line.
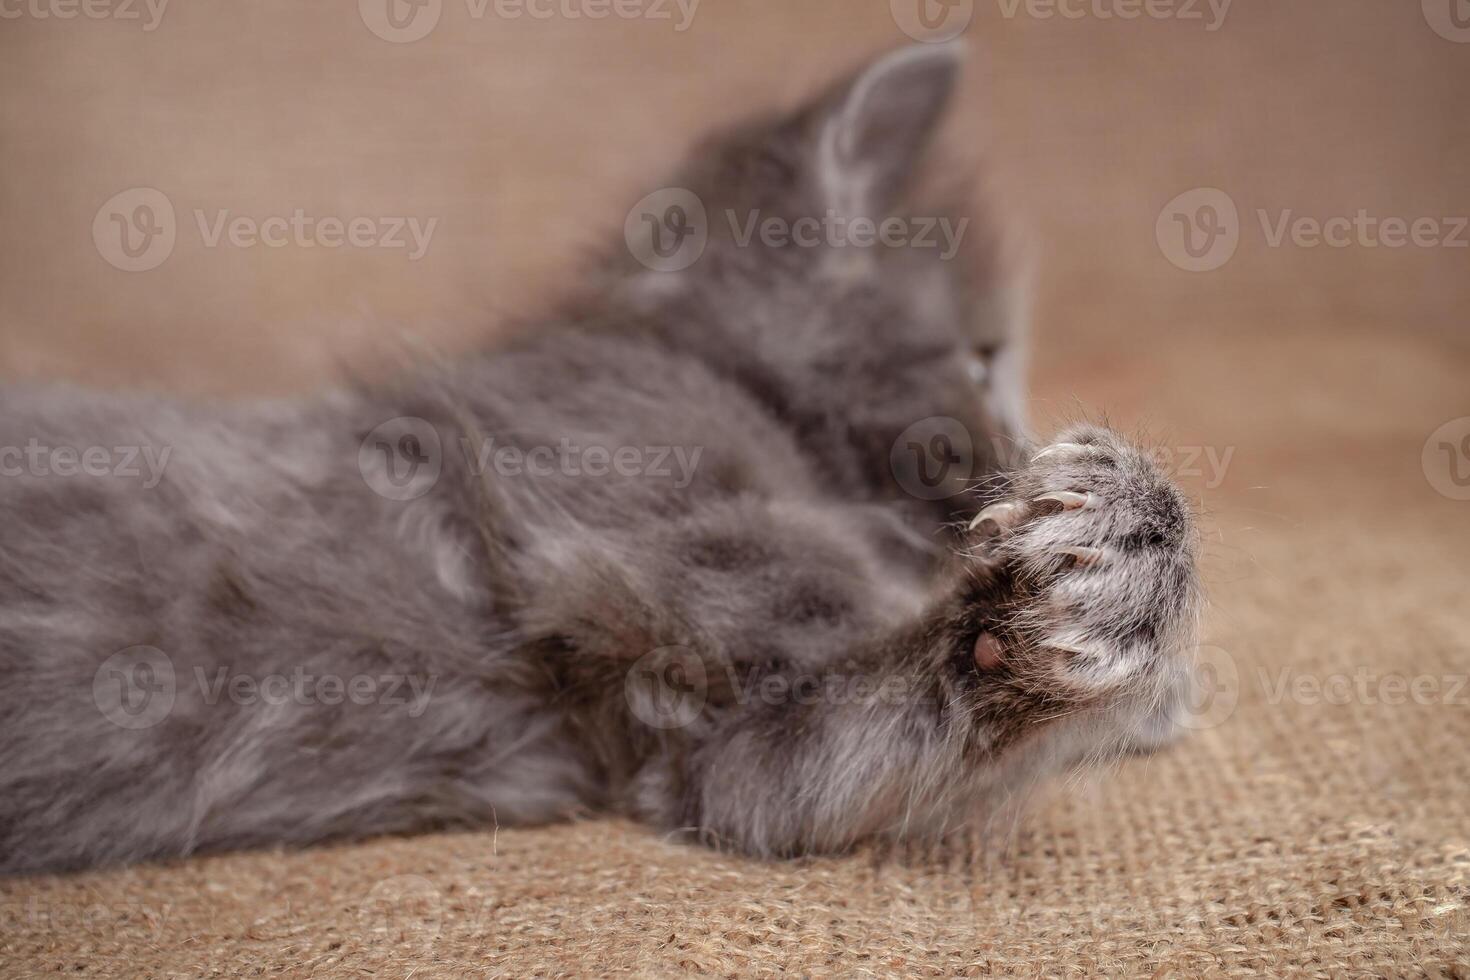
x=872, y=130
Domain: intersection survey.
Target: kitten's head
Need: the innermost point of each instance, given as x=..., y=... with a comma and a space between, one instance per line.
x=815, y=271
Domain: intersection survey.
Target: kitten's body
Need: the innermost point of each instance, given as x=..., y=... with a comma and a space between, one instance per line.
x=841, y=671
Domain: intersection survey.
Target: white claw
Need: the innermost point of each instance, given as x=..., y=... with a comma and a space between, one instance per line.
x=1084, y=556
x=1059, y=447
x=1004, y=514
x=1068, y=499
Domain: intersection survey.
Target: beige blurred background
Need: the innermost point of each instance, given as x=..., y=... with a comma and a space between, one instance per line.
x=1315, y=401
x=529, y=137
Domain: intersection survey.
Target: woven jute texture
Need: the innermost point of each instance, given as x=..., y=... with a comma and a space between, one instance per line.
x=1318, y=821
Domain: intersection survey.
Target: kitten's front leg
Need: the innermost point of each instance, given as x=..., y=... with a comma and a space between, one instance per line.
x=1061, y=631
x=1087, y=586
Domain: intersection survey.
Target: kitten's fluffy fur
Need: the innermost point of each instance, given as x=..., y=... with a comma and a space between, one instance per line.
x=788, y=654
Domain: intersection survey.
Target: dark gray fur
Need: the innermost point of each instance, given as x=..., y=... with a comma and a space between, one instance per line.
x=551, y=613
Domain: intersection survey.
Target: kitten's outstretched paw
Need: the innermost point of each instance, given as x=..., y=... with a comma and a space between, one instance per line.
x=1093, y=559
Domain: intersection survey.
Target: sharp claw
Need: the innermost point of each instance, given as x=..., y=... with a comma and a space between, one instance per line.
x=1068, y=499
x=1084, y=556
x=1004, y=514
x=1058, y=447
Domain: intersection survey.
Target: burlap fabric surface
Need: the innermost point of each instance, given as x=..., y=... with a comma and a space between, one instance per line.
x=1315, y=823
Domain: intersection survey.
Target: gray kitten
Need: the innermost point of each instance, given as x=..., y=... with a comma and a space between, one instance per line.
x=752, y=550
